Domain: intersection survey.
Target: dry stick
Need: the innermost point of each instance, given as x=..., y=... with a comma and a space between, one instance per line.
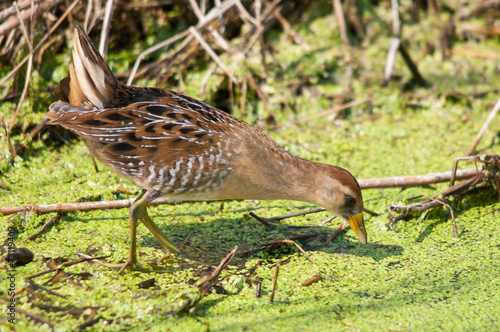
x=245, y=15
x=217, y=37
x=396, y=27
x=413, y=67
x=428, y=204
x=391, y=59
x=255, y=86
x=103, y=43
x=485, y=126
x=64, y=265
x=291, y=242
x=395, y=42
x=45, y=227
x=416, y=180
x=455, y=231
x=212, y=54
x=25, y=90
x=397, y=45
x=454, y=169
x=207, y=282
x=264, y=16
x=20, y=5
x=42, y=41
x=36, y=318
x=337, y=232
x=88, y=10
x=275, y=281
x=475, y=54
x=337, y=6
x=13, y=22
x=262, y=39
x=400, y=181
x=213, y=14
x=327, y=220
x=28, y=75
x=261, y=220
x=95, y=17
x=297, y=39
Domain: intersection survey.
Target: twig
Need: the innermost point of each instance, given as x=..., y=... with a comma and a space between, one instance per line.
x=207, y=282
x=327, y=220
x=103, y=43
x=297, y=39
x=48, y=225
x=275, y=281
x=485, y=126
x=36, y=318
x=213, y=14
x=291, y=242
x=337, y=7
x=285, y=216
x=412, y=66
x=396, y=27
x=64, y=265
x=255, y=86
x=416, y=180
x=400, y=181
x=431, y=203
x=391, y=60
x=259, y=219
x=337, y=232
x=314, y=279
x=455, y=231
x=42, y=41
x=454, y=169
x=13, y=22
x=212, y=54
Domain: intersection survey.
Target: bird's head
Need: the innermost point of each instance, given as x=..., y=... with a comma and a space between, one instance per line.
x=339, y=193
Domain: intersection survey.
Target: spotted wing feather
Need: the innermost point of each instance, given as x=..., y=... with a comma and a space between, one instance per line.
x=192, y=140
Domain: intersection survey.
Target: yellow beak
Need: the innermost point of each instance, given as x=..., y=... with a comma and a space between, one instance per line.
x=358, y=226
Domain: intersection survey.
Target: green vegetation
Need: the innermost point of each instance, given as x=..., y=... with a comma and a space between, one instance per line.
x=417, y=277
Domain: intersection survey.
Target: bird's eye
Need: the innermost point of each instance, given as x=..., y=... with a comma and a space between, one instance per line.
x=349, y=200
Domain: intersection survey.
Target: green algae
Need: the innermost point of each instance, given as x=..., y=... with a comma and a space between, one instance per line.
x=417, y=277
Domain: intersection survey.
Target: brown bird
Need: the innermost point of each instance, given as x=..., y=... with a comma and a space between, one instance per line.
x=173, y=145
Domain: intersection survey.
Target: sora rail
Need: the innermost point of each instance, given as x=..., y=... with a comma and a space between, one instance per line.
x=174, y=145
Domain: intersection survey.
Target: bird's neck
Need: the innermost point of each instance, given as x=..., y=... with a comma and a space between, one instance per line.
x=283, y=177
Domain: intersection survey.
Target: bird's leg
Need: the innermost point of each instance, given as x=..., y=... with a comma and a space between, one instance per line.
x=142, y=214
x=138, y=211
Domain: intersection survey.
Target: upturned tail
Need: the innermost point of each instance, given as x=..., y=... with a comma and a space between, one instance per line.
x=90, y=84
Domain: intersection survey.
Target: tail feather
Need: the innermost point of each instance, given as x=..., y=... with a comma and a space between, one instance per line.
x=91, y=83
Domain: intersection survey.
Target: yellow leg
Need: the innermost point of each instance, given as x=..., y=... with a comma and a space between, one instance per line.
x=138, y=211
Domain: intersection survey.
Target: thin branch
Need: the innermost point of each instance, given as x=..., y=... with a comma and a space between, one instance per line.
x=213, y=14
x=103, y=44
x=275, y=282
x=485, y=127
x=416, y=180
x=337, y=7
x=337, y=232
x=455, y=167
x=212, y=54
x=42, y=41
x=400, y=181
x=206, y=283
x=455, y=231
x=291, y=242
